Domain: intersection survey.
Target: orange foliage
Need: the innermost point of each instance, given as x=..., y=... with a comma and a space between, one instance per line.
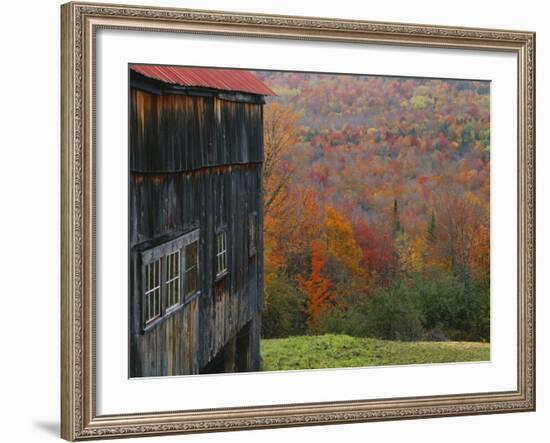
x=340, y=149
x=289, y=228
x=316, y=288
x=479, y=254
x=280, y=136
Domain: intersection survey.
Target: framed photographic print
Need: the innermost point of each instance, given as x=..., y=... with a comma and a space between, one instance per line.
x=257, y=207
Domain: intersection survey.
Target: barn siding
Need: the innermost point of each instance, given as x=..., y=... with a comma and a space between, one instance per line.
x=210, y=132
x=196, y=162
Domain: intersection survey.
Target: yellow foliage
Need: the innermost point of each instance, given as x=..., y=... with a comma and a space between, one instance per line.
x=339, y=241
x=412, y=253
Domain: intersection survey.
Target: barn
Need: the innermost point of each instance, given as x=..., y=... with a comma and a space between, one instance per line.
x=195, y=224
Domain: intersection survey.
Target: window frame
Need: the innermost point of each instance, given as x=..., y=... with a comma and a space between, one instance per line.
x=151, y=291
x=219, y=275
x=177, y=278
x=160, y=253
x=190, y=238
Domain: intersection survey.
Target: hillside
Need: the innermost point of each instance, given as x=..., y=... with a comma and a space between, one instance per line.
x=365, y=141
x=376, y=206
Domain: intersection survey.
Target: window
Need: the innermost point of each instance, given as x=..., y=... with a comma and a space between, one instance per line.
x=152, y=291
x=170, y=275
x=221, y=254
x=191, y=268
x=252, y=233
x=172, y=279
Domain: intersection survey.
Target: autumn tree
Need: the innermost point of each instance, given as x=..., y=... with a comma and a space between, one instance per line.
x=344, y=257
x=281, y=203
x=393, y=176
x=340, y=242
x=456, y=225
x=316, y=288
x=377, y=249
x=289, y=228
x=479, y=259
x=411, y=254
x=280, y=135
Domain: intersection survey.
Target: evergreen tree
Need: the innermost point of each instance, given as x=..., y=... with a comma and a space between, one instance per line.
x=396, y=224
x=430, y=235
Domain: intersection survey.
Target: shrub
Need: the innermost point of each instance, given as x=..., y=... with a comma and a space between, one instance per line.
x=436, y=306
x=283, y=314
x=453, y=307
x=393, y=314
x=482, y=323
x=335, y=320
x=439, y=295
x=389, y=313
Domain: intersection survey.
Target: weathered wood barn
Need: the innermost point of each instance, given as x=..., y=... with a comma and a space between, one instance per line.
x=196, y=273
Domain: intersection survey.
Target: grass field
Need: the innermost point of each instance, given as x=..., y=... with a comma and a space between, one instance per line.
x=341, y=351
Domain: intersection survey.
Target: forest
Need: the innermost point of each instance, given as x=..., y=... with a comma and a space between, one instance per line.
x=376, y=207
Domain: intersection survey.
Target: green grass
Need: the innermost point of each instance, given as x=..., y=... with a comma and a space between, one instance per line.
x=343, y=351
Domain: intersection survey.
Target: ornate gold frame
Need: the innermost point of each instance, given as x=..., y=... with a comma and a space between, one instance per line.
x=80, y=21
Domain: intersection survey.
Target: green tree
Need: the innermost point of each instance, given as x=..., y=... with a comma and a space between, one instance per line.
x=430, y=234
x=283, y=314
x=396, y=224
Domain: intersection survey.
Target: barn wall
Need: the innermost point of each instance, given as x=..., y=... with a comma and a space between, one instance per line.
x=210, y=132
x=196, y=163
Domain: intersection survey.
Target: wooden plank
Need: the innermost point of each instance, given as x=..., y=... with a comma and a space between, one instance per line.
x=196, y=162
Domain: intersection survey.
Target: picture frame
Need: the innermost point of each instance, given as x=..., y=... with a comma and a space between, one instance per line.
x=81, y=22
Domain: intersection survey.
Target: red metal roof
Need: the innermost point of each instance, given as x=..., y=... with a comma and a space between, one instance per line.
x=224, y=79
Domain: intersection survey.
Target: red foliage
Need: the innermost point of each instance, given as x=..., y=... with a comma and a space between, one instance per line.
x=365, y=141
x=421, y=179
x=378, y=252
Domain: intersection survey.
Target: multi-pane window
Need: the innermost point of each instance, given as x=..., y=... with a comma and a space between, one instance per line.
x=152, y=291
x=221, y=254
x=191, y=274
x=252, y=232
x=170, y=275
x=172, y=279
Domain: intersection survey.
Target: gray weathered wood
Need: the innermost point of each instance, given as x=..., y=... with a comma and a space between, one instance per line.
x=196, y=162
